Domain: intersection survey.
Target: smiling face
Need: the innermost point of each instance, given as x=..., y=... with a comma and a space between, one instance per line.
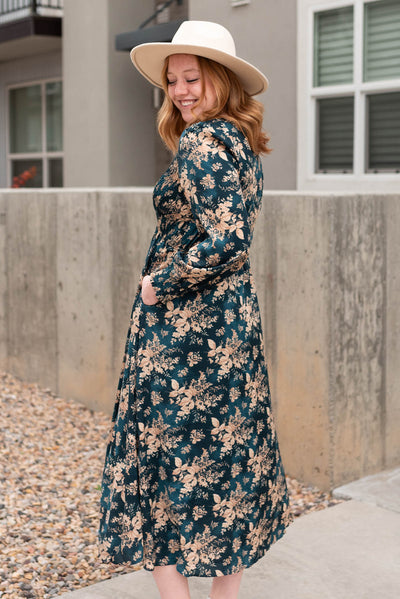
x=185, y=81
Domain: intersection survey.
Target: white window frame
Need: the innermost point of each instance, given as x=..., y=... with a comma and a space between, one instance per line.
x=44, y=155
x=307, y=177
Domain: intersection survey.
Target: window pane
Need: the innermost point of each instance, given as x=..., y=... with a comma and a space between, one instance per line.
x=333, y=47
x=382, y=40
x=25, y=119
x=384, y=132
x=335, y=140
x=27, y=173
x=54, y=116
x=55, y=172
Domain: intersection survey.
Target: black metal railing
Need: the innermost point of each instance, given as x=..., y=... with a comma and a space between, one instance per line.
x=159, y=10
x=34, y=7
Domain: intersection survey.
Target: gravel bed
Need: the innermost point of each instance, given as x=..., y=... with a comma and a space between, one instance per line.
x=51, y=459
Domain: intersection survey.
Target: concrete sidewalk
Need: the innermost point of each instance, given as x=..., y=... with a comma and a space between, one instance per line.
x=348, y=551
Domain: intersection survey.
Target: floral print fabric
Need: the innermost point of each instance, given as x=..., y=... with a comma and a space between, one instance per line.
x=193, y=474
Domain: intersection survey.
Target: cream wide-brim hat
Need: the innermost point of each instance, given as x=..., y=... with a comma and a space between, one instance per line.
x=201, y=38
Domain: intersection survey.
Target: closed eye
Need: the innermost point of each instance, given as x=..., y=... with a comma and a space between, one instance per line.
x=187, y=81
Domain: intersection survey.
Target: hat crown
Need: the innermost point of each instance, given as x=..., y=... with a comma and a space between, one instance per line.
x=205, y=34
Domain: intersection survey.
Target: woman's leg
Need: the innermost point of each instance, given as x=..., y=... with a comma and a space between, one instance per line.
x=226, y=587
x=171, y=584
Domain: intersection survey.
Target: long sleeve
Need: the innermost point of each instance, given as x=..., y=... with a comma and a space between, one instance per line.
x=209, y=178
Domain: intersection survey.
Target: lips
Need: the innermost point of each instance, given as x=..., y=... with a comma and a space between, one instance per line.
x=186, y=103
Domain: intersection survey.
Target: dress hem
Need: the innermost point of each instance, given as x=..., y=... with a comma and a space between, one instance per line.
x=214, y=571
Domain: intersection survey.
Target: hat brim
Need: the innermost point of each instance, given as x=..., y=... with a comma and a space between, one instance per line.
x=149, y=60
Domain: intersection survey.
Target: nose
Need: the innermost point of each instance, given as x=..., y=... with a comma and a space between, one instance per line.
x=181, y=88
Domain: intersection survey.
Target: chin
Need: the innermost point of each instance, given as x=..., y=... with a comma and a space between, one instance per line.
x=189, y=118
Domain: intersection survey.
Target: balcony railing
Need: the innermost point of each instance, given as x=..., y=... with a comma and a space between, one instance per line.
x=11, y=10
x=160, y=9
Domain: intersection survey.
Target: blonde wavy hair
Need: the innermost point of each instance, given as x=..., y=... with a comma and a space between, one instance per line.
x=233, y=104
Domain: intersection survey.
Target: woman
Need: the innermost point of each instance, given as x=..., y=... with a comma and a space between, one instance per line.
x=193, y=481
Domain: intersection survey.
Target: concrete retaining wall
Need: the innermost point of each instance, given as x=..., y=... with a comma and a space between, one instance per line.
x=327, y=274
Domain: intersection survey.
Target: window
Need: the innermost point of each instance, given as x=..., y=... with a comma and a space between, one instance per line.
x=352, y=127
x=384, y=132
x=333, y=47
x=335, y=126
x=382, y=40
x=35, y=153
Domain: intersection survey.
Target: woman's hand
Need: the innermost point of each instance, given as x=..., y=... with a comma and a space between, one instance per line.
x=148, y=294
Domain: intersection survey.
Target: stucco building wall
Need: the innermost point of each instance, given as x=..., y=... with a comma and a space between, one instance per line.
x=108, y=114
x=265, y=33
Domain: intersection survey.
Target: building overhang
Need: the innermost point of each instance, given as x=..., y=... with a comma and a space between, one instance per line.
x=164, y=32
x=33, y=34
x=32, y=25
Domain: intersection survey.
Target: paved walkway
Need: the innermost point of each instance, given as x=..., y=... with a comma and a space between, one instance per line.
x=348, y=551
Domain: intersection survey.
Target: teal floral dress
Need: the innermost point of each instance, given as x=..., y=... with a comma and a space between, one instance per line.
x=193, y=474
